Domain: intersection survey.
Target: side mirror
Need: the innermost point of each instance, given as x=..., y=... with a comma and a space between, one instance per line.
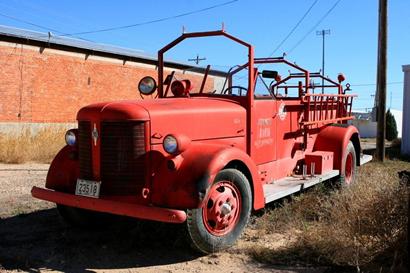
x=271, y=74
x=147, y=85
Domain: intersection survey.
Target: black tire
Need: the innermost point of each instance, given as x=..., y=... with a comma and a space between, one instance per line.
x=202, y=231
x=347, y=175
x=77, y=217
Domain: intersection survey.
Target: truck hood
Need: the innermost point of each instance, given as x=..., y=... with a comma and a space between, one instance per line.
x=197, y=118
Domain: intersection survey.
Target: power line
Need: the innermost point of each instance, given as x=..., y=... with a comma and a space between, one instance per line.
x=120, y=27
x=315, y=26
x=294, y=28
x=372, y=84
x=29, y=23
x=38, y=26
x=153, y=21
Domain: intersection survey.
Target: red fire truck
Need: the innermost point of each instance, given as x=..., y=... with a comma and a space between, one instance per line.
x=209, y=155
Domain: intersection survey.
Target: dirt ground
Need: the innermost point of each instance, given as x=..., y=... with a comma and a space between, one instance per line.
x=33, y=238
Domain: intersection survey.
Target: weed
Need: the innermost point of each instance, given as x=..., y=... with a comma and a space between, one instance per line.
x=355, y=226
x=27, y=146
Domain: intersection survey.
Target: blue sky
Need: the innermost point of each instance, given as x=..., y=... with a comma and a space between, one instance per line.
x=351, y=47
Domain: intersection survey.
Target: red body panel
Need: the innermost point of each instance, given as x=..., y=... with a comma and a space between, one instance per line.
x=197, y=118
x=187, y=186
x=323, y=162
x=334, y=138
x=63, y=171
x=120, y=110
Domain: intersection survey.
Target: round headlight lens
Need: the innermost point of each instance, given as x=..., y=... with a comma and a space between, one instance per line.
x=170, y=144
x=70, y=138
x=147, y=85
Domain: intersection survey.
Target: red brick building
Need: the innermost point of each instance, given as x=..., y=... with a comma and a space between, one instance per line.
x=46, y=79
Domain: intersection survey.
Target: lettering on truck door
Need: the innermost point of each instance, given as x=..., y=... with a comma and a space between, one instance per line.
x=264, y=129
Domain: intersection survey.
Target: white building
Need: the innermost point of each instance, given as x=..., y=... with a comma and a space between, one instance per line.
x=405, y=140
x=368, y=128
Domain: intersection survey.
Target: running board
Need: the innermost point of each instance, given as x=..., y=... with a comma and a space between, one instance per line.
x=292, y=184
x=365, y=159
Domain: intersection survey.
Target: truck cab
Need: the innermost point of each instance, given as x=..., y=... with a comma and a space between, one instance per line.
x=206, y=148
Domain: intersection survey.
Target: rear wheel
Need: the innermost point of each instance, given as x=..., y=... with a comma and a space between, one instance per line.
x=224, y=215
x=348, y=172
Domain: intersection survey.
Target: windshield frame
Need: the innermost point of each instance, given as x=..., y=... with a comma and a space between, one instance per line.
x=249, y=64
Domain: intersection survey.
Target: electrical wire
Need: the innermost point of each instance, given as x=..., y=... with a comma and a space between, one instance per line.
x=38, y=26
x=314, y=27
x=294, y=28
x=372, y=84
x=29, y=23
x=153, y=21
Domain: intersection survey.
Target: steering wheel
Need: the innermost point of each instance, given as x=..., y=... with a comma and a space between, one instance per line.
x=239, y=88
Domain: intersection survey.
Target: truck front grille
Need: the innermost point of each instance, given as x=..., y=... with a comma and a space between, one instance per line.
x=84, y=149
x=122, y=157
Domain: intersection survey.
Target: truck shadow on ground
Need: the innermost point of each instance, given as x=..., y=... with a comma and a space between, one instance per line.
x=40, y=240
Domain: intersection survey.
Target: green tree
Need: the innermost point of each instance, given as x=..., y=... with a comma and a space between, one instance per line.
x=391, y=126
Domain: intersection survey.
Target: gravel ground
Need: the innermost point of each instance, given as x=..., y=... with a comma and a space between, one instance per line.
x=15, y=185
x=33, y=238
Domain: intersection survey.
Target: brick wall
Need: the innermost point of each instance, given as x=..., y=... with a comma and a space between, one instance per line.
x=47, y=85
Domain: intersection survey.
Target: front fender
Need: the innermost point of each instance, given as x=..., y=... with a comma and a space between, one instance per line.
x=63, y=171
x=334, y=138
x=196, y=168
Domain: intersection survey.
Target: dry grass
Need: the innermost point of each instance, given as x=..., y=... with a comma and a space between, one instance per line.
x=28, y=147
x=361, y=226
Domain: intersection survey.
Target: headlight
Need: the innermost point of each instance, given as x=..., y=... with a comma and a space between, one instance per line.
x=170, y=144
x=71, y=138
x=176, y=144
x=147, y=85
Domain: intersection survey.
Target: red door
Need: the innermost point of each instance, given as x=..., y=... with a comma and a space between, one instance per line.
x=264, y=130
x=289, y=137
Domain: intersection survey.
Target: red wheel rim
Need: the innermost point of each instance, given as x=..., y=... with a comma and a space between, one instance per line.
x=222, y=208
x=349, y=168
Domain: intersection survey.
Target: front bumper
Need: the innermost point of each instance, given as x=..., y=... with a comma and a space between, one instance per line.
x=113, y=207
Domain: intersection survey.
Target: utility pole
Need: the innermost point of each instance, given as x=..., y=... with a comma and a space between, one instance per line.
x=197, y=59
x=381, y=81
x=323, y=33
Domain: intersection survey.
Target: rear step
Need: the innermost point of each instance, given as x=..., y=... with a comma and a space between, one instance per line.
x=292, y=184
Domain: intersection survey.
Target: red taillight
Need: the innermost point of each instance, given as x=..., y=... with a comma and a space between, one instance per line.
x=341, y=77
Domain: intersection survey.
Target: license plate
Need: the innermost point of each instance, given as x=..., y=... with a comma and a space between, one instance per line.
x=88, y=188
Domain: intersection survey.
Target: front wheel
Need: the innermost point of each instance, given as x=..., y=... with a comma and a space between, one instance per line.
x=224, y=214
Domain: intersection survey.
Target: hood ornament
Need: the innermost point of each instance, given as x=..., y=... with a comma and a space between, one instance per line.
x=94, y=134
